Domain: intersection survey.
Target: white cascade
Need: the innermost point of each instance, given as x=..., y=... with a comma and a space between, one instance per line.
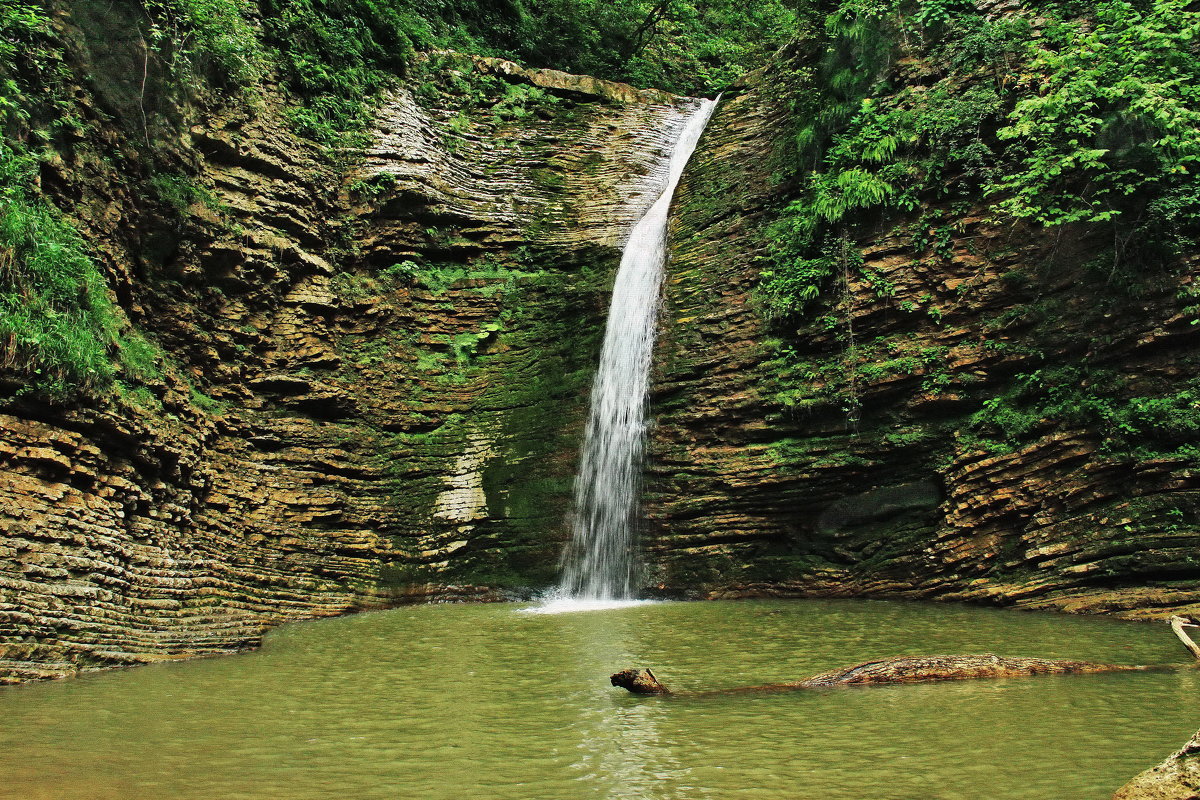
x=598, y=565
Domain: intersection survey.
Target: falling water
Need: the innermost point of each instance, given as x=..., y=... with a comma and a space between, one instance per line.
x=598, y=563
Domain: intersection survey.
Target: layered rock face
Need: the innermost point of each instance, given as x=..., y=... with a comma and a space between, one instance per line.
x=841, y=456
x=372, y=369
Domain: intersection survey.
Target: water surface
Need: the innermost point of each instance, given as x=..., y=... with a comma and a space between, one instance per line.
x=459, y=702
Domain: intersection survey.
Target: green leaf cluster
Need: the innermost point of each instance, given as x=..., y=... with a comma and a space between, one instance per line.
x=213, y=36
x=1109, y=115
x=1087, y=397
x=1060, y=118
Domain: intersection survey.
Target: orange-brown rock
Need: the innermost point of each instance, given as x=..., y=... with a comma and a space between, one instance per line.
x=837, y=453
x=374, y=364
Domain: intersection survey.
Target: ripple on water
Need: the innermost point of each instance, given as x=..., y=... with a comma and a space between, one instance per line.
x=447, y=702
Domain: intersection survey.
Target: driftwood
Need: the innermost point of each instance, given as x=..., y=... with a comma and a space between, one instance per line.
x=1178, y=624
x=920, y=669
x=924, y=669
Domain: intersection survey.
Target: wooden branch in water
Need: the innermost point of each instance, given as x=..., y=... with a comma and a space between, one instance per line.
x=919, y=669
x=1178, y=624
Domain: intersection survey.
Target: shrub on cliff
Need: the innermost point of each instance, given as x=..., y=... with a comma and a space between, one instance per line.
x=56, y=320
x=1058, y=117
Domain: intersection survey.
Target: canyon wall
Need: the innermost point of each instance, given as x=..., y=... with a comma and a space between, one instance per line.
x=371, y=364
x=840, y=455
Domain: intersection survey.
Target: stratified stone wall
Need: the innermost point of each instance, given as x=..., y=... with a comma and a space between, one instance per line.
x=811, y=484
x=374, y=365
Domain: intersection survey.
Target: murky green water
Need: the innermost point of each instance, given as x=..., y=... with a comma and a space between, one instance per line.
x=484, y=702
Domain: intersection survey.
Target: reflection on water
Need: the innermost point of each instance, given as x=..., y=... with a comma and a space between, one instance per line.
x=622, y=753
x=482, y=701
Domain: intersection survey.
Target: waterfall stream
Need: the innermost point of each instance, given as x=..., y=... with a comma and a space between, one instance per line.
x=598, y=562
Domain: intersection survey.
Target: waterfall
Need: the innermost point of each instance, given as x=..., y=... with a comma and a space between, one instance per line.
x=598, y=563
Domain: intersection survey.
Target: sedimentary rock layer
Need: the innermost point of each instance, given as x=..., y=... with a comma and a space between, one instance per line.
x=836, y=455
x=373, y=363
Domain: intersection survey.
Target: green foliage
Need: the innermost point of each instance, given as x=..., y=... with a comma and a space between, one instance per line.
x=206, y=403
x=21, y=24
x=795, y=282
x=520, y=101
x=60, y=333
x=35, y=102
x=181, y=192
x=1095, y=120
x=1141, y=426
x=403, y=272
x=864, y=148
x=699, y=47
x=56, y=320
x=337, y=55
x=203, y=34
x=140, y=358
x=1110, y=114
x=373, y=187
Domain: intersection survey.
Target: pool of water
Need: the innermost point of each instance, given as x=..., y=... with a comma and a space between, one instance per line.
x=487, y=702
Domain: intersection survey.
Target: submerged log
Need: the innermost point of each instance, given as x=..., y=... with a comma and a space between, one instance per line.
x=922, y=669
x=638, y=681
x=917, y=669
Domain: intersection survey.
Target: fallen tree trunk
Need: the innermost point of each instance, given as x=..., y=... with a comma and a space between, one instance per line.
x=919, y=669
x=1178, y=624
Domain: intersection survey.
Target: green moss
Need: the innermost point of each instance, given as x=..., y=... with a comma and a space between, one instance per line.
x=205, y=403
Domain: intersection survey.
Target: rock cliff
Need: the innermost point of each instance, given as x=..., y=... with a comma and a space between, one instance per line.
x=840, y=455
x=370, y=368
x=372, y=364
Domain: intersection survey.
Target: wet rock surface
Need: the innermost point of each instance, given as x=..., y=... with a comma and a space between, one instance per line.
x=837, y=455
x=373, y=369
x=1177, y=778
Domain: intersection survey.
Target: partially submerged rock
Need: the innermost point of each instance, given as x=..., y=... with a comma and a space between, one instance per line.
x=905, y=669
x=1177, y=778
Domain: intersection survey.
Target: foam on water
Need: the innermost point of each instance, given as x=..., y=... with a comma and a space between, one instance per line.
x=559, y=604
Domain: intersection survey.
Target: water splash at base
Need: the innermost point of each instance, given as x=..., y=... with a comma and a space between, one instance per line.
x=558, y=603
